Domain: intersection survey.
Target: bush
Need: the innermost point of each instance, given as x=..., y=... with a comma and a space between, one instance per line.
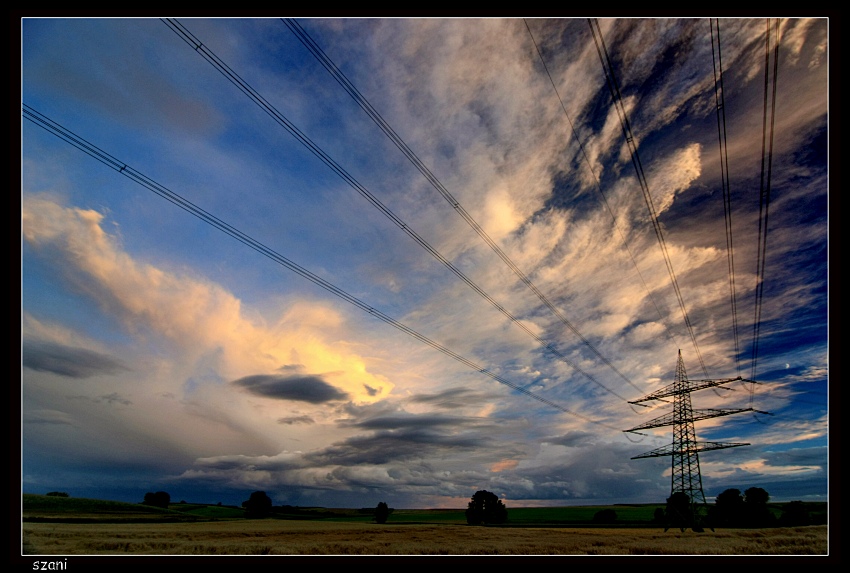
x=382, y=512
x=258, y=505
x=486, y=507
x=605, y=516
x=158, y=499
x=57, y=494
x=794, y=514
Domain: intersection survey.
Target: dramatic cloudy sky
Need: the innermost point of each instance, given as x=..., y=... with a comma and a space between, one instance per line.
x=159, y=353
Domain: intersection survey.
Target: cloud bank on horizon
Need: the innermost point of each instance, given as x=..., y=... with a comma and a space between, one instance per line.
x=159, y=353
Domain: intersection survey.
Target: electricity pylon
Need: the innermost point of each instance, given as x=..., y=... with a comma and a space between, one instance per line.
x=686, y=480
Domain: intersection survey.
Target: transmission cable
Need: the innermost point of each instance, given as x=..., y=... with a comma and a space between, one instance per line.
x=764, y=191
x=279, y=118
x=720, y=102
x=367, y=107
x=614, y=88
x=70, y=137
x=599, y=186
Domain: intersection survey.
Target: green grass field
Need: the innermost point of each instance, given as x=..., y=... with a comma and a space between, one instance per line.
x=47, y=508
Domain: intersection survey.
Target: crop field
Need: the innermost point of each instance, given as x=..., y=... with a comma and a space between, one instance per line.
x=279, y=537
x=69, y=526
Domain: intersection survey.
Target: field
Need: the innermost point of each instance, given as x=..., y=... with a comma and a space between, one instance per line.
x=75, y=527
x=277, y=537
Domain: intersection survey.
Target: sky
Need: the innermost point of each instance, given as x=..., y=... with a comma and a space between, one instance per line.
x=159, y=353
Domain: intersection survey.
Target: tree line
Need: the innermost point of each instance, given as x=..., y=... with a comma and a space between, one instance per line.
x=731, y=508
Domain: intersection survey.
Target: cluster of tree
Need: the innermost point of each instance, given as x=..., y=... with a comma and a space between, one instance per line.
x=258, y=505
x=158, y=499
x=57, y=494
x=486, y=507
x=732, y=509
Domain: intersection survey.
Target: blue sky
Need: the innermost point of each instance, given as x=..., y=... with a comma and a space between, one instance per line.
x=159, y=353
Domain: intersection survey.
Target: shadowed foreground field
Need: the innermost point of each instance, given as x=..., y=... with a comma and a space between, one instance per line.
x=277, y=537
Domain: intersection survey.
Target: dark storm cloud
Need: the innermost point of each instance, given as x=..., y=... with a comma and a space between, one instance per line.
x=310, y=389
x=391, y=446
x=412, y=422
x=68, y=360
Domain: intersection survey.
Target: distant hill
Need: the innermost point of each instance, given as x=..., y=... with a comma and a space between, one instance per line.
x=81, y=510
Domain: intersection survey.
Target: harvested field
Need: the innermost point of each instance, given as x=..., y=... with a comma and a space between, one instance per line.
x=278, y=537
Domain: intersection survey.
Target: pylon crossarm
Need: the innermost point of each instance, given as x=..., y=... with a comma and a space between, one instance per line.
x=693, y=386
x=670, y=419
x=665, y=420
x=656, y=453
x=708, y=446
x=712, y=413
x=671, y=450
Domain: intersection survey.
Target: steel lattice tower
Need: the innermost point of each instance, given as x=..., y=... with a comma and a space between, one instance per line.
x=684, y=450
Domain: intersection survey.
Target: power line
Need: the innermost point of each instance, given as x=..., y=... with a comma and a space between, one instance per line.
x=258, y=99
x=72, y=138
x=367, y=107
x=598, y=184
x=720, y=102
x=614, y=88
x=764, y=191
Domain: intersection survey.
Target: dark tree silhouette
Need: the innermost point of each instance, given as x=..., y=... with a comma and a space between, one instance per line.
x=258, y=505
x=158, y=499
x=678, y=511
x=57, y=494
x=605, y=516
x=756, y=512
x=795, y=514
x=728, y=509
x=382, y=512
x=756, y=496
x=486, y=507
